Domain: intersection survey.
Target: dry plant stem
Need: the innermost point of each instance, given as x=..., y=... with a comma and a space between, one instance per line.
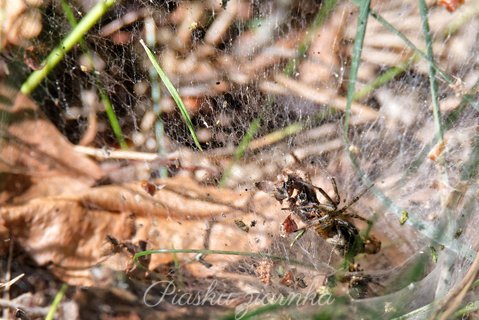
x=325, y=97
x=31, y=311
x=304, y=140
x=455, y=298
x=321, y=148
x=125, y=20
x=462, y=18
x=379, y=56
x=91, y=130
x=276, y=136
x=271, y=87
x=8, y=276
x=222, y=23
x=261, y=142
x=103, y=154
x=11, y=282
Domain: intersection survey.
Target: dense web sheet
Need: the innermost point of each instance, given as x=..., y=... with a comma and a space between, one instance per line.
x=236, y=61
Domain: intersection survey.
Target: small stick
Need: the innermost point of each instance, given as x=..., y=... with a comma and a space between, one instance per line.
x=104, y=154
x=8, y=276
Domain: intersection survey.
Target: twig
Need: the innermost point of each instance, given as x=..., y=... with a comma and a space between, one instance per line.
x=9, y=283
x=323, y=96
x=8, y=276
x=104, y=154
x=91, y=130
x=32, y=311
x=455, y=297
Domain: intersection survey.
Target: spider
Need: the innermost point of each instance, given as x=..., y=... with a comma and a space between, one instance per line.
x=329, y=220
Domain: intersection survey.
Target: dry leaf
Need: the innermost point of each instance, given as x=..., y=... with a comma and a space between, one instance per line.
x=69, y=232
x=32, y=150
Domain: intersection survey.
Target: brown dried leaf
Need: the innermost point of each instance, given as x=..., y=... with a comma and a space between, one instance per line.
x=289, y=225
x=69, y=232
x=33, y=149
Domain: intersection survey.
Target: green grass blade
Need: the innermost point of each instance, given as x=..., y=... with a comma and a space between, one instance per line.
x=115, y=124
x=66, y=45
x=432, y=71
x=466, y=310
x=450, y=80
x=74, y=23
x=470, y=170
x=461, y=20
x=449, y=121
x=382, y=79
x=240, y=150
x=105, y=99
x=279, y=135
x=409, y=43
x=174, y=94
x=324, y=267
x=151, y=41
x=356, y=60
x=56, y=302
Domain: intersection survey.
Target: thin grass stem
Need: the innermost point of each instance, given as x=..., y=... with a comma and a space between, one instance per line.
x=151, y=41
x=432, y=71
x=356, y=60
x=323, y=266
x=105, y=99
x=56, y=302
x=240, y=150
x=174, y=94
x=73, y=38
x=382, y=79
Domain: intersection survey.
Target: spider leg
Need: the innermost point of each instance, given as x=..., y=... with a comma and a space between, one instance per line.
x=316, y=221
x=328, y=198
x=337, y=199
x=326, y=207
x=358, y=217
x=354, y=215
x=323, y=207
x=355, y=199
